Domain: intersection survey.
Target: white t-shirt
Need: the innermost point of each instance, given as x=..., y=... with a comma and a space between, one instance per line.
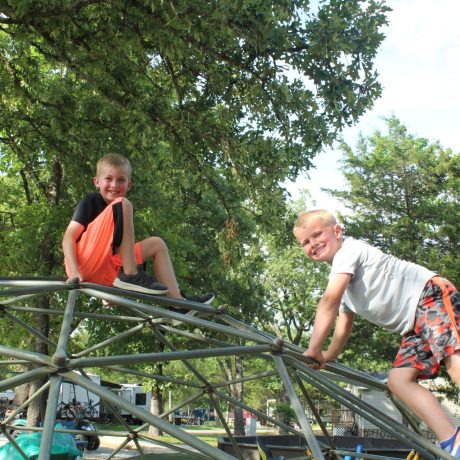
x=383, y=289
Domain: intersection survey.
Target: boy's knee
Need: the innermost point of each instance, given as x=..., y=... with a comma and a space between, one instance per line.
x=160, y=242
x=156, y=243
x=391, y=382
x=401, y=376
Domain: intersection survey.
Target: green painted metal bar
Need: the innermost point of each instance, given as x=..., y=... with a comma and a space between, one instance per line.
x=162, y=416
x=11, y=362
x=50, y=418
x=367, y=411
x=25, y=377
x=148, y=417
x=351, y=375
x=316, y=414
x=86, y=315
x=115, y=293
x=19, y=298
x=36, y=290
x=297, y=406
x=25, y=354
x=22, y=324
x=109, y=341
x=224, y=423
x=192, y=320
x=189, y=366
x=60, y=356
x=259, y=414
x=38, y=281
x=183, y=403
x=176, y=448
x=161, y=378
x=118, y=449
x=190, y=335
x=355, y=404
x=25, y=404
x=166, y=356
x=262, y=375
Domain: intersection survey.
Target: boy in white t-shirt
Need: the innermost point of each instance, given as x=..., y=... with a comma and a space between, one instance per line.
x=397, y=295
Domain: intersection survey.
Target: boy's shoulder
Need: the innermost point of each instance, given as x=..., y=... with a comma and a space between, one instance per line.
x=92, y=199
x=89, y=207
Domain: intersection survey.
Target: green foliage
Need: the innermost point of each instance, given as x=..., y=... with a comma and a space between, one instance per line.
x=285, y=412
x=216, y=104
x=404, y=193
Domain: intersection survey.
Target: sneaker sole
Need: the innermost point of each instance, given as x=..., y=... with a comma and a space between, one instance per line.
x=210, y=300
x=204, y=303
x=189, y=313
x=132, y=287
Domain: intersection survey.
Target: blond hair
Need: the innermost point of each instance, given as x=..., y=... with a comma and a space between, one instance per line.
x=116, y=160
x=326, y=216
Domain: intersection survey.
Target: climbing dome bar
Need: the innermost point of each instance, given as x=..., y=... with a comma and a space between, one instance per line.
x=206, y=332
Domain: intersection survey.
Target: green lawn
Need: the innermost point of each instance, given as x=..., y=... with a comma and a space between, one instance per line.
x=207, y=437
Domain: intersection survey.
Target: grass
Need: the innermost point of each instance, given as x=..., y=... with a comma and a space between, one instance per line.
x=207, y=437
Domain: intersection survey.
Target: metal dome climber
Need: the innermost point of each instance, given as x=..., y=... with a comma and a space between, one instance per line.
x=152, y=312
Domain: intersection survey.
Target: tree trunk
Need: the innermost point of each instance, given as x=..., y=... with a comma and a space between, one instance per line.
x=156, y=403
x=156, y=408
x=36, y=409
x=280, y=416
x=237, y=391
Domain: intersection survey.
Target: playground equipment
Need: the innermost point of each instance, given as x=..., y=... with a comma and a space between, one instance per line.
x=155, y=314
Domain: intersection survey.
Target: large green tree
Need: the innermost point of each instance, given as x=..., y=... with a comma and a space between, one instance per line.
x=215, y=103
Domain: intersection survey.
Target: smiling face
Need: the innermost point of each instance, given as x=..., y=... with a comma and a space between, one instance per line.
x=112, y=181
x=319, y=239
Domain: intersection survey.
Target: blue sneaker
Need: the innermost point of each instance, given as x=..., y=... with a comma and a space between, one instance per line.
x=452, y=445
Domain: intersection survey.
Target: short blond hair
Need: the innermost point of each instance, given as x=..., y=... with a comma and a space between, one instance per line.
x=116, y=160
x=326, y=216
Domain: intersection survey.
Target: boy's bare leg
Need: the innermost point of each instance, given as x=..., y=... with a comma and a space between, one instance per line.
x=453, y=367
x=155, y=248
x=403, y=383
x=127, y=243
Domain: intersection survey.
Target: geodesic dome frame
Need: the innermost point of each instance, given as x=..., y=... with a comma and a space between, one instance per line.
x=157, y=314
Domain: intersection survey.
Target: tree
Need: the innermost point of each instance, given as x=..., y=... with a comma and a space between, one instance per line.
x=215, y=103
x=229, y=92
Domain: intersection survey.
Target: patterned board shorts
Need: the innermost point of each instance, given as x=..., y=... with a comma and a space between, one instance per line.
x=433, y=337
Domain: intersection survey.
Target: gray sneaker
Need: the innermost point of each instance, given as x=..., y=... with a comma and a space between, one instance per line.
x=205, y=298
x=140, y=282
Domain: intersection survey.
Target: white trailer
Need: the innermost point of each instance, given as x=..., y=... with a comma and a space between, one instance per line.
x=136, y=395
x=81, y=400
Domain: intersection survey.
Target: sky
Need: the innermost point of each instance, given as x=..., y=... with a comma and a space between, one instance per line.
x=419, y=67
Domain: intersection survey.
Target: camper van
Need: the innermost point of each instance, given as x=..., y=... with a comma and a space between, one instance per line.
x=136, y=395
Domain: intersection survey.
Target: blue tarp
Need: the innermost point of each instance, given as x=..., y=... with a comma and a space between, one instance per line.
x=63, y=447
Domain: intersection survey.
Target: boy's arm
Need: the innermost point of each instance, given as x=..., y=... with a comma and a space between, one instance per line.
x=342, y=331
x=69, y=247
x=326, y=314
